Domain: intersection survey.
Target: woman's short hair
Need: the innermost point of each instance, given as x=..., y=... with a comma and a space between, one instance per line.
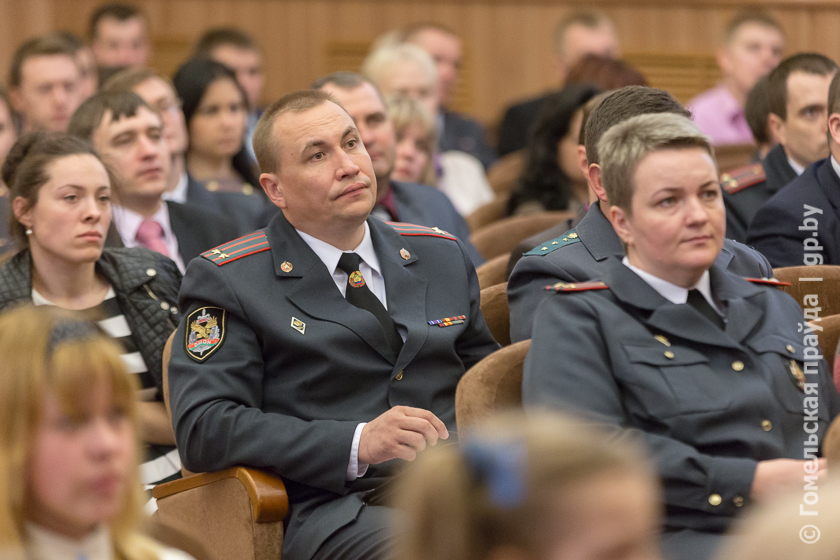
x=25, y=170
x=405, y=112
x=626, y=144
x=500, y=485
x=48, y=349
x=382, y=62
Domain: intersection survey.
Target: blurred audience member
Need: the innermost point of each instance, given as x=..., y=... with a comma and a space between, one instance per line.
x=416, y=140
x=757, y=113
x=797, y=92
x=753, y=44
x=119, y=36
x=395, y=201
x=7, y=138
x=457, y=131
x=578, y=34
x=552, y=178
x=605, y=72
x=128, y=134
x=160, y=94
x=215, y=108
x=61, y=195
x=68, y=443
x=240, y=52
x=537, y=486
x=44, y=83
x=89, y=82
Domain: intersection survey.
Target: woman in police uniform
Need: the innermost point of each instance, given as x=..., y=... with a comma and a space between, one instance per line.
x=707, y=368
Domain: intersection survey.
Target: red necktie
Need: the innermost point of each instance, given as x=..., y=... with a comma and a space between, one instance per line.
x=150, y=236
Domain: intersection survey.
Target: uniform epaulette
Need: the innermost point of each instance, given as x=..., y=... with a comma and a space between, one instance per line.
x=771, y=281
x=742, y=178
x=577, y=286
x=233, y=250
x=411, y=229
x=567, y=238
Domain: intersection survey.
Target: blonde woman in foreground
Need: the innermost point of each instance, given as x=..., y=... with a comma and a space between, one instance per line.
x=69, y=484
x=536, y=487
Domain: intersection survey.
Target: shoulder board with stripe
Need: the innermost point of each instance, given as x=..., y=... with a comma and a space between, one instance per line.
x=577, y=287
x=743, y=177
x=412, y=229
x=771, y=281
x=238, y=248
x=567, y=238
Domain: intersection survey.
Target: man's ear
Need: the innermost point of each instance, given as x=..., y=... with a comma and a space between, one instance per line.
x=270, y=183
x=22, y=213
x=834, y=127
x=16, y=99
x=596, y=183
x=621, y=224
x=777, y=128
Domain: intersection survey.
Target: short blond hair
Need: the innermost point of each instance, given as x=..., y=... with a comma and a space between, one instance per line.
x=626, y=144
x=382, y=62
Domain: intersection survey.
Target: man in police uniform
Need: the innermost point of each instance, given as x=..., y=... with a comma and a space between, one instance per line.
x=275, y=369
x=582, y=253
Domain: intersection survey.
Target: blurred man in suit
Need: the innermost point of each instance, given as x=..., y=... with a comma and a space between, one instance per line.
x=119, y=36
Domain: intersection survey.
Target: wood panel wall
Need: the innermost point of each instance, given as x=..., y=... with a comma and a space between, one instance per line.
x=507, y=41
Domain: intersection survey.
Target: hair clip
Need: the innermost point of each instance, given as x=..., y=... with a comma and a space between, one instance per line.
x=500, y=466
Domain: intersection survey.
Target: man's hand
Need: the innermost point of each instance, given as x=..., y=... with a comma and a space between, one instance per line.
x=399, y=434
x=774, y=477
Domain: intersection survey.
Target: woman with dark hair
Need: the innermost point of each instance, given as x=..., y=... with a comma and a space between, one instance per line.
x=552, y=179
x=216, y=109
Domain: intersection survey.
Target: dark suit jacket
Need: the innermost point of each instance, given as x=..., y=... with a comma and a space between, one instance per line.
x=273, y=397
x=742, y=205
x=246, y=211
x=710, y=404
x=466, y=135
x=517, y=123
x=198, y=230
x=426, y=206
x=584, y=257
x=805, y=211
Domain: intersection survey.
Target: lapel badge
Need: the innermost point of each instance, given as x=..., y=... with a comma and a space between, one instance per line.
x=663, y=340
x=797, y=376
x=405, y=254
x=206, y=332
x=286, y=266
x=356, y=280
x=448, y=321
x=298, y=325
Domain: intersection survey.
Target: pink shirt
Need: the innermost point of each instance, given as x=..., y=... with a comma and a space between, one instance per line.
x=720, y=117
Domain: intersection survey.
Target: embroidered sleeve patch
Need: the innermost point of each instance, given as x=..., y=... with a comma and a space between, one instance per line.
x=205, y=332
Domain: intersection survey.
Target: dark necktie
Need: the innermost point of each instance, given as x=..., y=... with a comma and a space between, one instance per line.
x=698, y=302
x=359, y=294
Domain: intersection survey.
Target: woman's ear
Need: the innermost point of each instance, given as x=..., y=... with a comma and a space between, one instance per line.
x=620, y=220
x=22, y=212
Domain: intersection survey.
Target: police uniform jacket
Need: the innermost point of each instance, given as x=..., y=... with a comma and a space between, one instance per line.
x=782, y=226
x=742, y=203
x=709, y=403
x=295, y=367
x=581, y=255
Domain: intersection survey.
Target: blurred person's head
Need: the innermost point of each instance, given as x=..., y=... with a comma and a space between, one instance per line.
x=128, y=135
x=89, y=82
x=160, y=94
x=580, y=33
x=215, y=108
x=797, y=93
x=44, y=83
x=8, y=134
x=364, y=103
x=68, y=421
x=662, y=182
x=119, y=36
x=616, y=107
x=539, y=486
x=405, y=70
x=605, y=72
x=444, y=46
x=61, y=197
x=756, y=112
x=240, y=52
x=753, y=44
x=552, y=176
x=416, y=141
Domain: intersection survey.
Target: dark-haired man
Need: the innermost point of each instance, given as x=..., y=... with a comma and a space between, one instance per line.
x=327, y=347
x=119, y=36
x=581, y=254
x=797, y=93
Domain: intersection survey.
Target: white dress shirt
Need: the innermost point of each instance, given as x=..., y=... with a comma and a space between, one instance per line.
x=179, y=193
x=128, y=222
x=674, y=293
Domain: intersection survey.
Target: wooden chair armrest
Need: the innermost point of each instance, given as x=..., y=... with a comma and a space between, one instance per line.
x=269, y=501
